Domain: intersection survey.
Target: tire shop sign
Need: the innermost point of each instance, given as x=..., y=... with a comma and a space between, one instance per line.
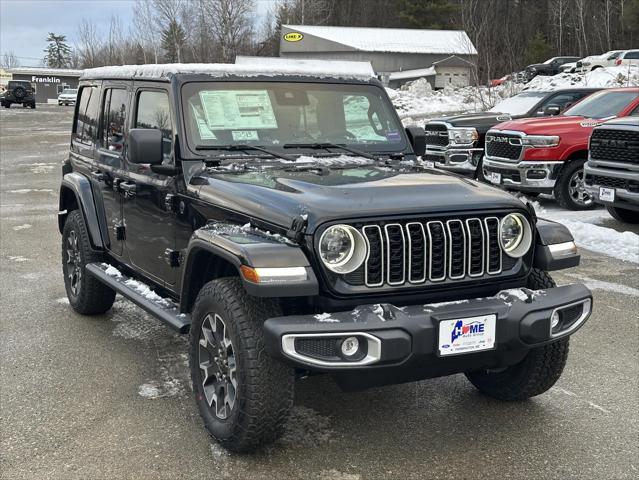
x=38, y=79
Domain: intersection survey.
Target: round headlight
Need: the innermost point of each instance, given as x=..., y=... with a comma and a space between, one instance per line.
x=515, y=235
x=342, y=248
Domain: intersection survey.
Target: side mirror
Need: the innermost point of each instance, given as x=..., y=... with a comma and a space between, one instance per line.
x=552, y=110
x=145, y=146
x=417, y=139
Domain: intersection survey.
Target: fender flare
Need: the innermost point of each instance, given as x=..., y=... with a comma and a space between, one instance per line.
x=551, y=234
x=79, y=186
x=254, y=251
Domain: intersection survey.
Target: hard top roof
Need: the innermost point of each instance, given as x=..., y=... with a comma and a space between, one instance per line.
x=314, y=69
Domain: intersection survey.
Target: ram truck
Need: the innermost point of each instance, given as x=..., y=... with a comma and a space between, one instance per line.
x=282, y=218
x=612, y=170
x=457, y=143
x=547, y=155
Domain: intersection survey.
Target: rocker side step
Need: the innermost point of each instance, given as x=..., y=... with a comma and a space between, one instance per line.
x=161, y=308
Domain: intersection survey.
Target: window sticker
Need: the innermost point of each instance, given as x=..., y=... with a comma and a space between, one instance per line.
x=205, y=131
x=238, y=109
x=245, y=135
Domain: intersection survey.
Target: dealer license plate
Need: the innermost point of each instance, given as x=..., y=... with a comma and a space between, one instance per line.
x=606, y=194
x=429, y=164
x=494, y=177
x=467, y=335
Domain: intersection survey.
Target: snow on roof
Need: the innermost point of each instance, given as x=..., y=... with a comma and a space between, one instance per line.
x=400, y=40
x=342, y=70
x=359, y=68
x=417, y=73
x=63, y=72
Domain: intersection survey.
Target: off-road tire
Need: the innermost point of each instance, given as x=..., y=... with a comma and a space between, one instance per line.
x=19, y=92
x=92, y=297
x=33, y=105
x=562, y=186
x=623, y=214
x=264, y=393
x=536, y=373
x=6, y=104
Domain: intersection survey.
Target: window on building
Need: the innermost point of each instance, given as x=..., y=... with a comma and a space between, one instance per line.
x=113, y=117
x=153, y=111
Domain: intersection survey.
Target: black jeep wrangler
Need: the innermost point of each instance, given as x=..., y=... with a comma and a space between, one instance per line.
x=20, y=92
x=284, y=220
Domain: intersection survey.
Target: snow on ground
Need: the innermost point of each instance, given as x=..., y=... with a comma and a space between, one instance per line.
x=587, y=231
x=417, y=100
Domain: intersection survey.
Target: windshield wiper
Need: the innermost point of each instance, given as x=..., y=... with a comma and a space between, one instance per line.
x=243, y=148
x=328, y=145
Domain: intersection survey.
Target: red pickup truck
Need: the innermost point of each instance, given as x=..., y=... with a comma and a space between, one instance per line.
x=547, y=155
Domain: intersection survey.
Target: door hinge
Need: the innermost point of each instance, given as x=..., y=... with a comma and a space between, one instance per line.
x=172, y=257
x=120, y=232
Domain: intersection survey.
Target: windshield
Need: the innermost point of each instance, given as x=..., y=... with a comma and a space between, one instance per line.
x=549, y=61
x=70, y=91
x=602, y=104
x=519, y=104
x=274, y=114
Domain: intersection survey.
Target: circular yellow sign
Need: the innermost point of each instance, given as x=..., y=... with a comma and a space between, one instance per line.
x=293, y=37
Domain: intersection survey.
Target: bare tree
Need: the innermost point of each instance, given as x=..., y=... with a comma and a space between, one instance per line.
x=9, y=60
x=231, y=25
x=145, y=30
x=168, y=19
x=88, y=44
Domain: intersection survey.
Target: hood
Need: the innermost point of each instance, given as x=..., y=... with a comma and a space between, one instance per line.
x=277, y=196
x=551, y=125
x=482, y=121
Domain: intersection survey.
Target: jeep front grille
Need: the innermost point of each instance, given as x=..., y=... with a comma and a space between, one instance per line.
x=503, y=145
x=615, y=145
x=436, y=135
x=433, y=251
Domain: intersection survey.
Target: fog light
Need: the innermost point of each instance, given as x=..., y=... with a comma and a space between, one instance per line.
x=350, y=346
x=554, y=320
x=536, y=174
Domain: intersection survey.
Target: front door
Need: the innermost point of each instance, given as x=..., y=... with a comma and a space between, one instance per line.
x=150, y=222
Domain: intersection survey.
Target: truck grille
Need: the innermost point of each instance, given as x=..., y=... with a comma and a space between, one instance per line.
x=612, y=182
x=433, y=251
x=503, y=145
x=436, y=135
x=615, y=145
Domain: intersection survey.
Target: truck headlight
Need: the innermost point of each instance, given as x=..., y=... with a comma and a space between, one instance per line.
x=462, y=136
x=515, y=235
x=342, y=248
x=540, y=140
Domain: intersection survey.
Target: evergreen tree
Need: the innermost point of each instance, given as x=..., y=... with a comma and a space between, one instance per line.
x=437, y=14
x=173, y=39
x=539, y=49
x=58, y=52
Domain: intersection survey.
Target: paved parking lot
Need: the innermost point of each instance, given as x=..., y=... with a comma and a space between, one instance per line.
x=109, y=396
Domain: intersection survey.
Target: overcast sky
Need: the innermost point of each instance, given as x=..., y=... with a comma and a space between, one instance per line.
x=24, y=24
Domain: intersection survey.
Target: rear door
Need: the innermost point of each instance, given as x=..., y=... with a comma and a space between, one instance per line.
x=147, y=196
x=86, y=159
x=109, y=167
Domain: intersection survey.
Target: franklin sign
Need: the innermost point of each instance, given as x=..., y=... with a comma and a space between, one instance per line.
x=36, y=79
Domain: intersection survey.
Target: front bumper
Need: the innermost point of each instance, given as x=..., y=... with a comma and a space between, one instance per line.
x=407, y=337
x=523, y=175
x=460, y=160
x=616, y=179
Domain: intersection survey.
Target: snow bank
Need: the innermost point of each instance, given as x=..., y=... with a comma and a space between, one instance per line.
x=418, y=100
x=609, y=77
x=589, y=235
